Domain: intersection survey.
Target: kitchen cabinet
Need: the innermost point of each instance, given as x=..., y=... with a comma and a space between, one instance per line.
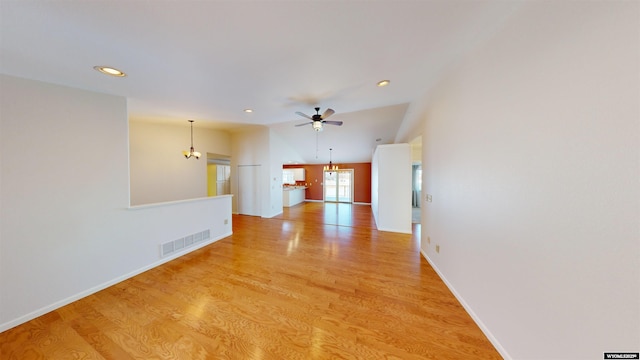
x=291, y=175
x=293, y=195
x=298, y=174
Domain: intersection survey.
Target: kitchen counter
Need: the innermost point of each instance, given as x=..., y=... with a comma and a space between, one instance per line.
x=293, y=195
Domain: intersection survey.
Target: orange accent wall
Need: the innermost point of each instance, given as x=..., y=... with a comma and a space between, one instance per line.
x=314, y=178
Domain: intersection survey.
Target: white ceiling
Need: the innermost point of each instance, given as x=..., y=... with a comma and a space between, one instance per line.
x=209, y=60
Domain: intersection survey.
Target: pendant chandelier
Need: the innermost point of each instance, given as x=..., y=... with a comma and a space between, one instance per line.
x=191, y=153
x=330, y=167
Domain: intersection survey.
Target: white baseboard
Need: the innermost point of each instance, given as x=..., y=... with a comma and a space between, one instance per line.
x=401, y=231
x=46, y=309
x=272, y=215
x=503, y=352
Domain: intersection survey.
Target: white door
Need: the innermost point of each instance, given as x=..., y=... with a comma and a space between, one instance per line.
x=248, y=192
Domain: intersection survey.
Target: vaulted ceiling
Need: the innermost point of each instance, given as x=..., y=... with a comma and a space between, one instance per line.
x=211, y=60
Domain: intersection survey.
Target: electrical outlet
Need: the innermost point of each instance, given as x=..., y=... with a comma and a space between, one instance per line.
x=429, y=199
x=226, y=221
x=438, y=249
x=428, y=240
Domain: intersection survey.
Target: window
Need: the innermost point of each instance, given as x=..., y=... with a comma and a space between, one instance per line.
x=288, y=177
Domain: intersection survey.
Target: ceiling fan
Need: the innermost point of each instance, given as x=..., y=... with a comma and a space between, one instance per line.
x=318, y=120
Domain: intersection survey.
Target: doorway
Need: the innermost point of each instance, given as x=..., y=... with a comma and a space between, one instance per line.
x=416, y=183
x=218, y=174
x=338, y=186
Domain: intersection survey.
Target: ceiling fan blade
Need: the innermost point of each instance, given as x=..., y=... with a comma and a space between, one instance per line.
x=307, y=123
x=327, y=113
x=304, y=115
x=339, y=123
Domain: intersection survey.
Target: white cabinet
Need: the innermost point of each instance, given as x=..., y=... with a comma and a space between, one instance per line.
x=291, y=175
x=298, y=174
x=292, y=196
x=287, y=176
x=223, y=172
x=223, y=179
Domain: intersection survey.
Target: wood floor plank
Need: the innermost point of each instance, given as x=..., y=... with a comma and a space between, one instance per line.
x=316, y=282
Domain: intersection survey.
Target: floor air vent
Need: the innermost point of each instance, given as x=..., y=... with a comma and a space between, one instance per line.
x=181, y=244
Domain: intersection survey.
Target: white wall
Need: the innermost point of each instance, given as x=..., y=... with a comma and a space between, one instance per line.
x=375, y=186
x=159, y=171
x=531, y=153
x=391, y=187
x=67, y=229
x=280, y=153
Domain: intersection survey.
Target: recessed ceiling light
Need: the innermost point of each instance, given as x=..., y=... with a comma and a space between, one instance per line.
x=248, y=110
x=110, y=71
x=383, y=83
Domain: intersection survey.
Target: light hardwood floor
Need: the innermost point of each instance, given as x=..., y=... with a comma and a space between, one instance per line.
x=317, y=282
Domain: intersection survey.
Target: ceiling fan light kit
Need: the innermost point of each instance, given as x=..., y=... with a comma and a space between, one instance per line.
x=317, y=120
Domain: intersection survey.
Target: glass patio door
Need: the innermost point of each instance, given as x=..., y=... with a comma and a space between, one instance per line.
x=338, y=186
